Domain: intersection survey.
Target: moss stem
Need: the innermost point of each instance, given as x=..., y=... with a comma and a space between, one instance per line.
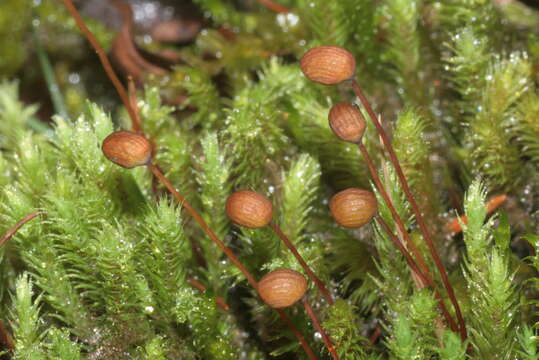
x=135, y=124
x=417, y=212
x=316, y=323
x=228, y=252
x=319, y=283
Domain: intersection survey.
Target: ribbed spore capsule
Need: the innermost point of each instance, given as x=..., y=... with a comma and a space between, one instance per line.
x=328, y=65
x=282, y=288
x=353, y=208
x=347, y=122
x=249, y=208
x=127, y=149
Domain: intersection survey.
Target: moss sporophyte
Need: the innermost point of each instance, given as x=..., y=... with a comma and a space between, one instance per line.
x=274, y=180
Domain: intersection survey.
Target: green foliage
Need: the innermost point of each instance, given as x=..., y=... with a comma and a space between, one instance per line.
x=202, y=94
x=156, y=117
x=220, y=12
x=403, y=48
x=122, y=271
x=172, y=143
x=300, y=187
x=327, y=21
x=453, y=348
x=163, y=254
x=210, y=334
x=213, y=179
x=352, y=259
x=135, y=271
x=251, y=130
x=310, y=129
x=340, y=324
x=490, y=89
x=388, y=178
x=413, y=150
x=61, y=347
x=411, y=312
x=155, y=349
x=405, y=345
x=490, y=283
x=493, y=151
x=528, y=342
x=467, y=64
x=528, y=110
x=26, y=327
x=14, y=115
x=414, y=335
x=20, y=18
x=346, y=23
x=458, y=13
x=534, y=242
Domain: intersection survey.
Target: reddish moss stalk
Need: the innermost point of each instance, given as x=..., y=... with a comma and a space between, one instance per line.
x=6, y=338
x=319, y=283
x=409, y=259
x=218, y=300
x=417, y=212
x=9, y=234
x=316, y=323
x=272, y=5
x=422, y=277
x=298, y=335
x=136, y=126
x=185, y=204
x=132, y=94
x=421, y=270
x=391, y=207
x=375, y=336
x=105, y=63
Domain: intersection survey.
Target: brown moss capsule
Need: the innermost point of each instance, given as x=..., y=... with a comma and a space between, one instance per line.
x=353, y=207
x=127, y=149
x=328, y=65
x=347, y=122
x=249, y=208
x=282, y=288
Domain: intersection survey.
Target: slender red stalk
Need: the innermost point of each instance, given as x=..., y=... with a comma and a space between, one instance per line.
x=5, y=238
x=421, y=270
x=6, y=338
x=228, y=252
x=375, y=335
x=316, y=323
x=298, y=335
x=155, y=170
x=136, y=124
x=319, y=283
x=391, y=207
x=272, y=5
x=199, y=286
x=185, y=204
x=409, y=259
x=417, y=212
x=422, y=277
x=105, y=62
